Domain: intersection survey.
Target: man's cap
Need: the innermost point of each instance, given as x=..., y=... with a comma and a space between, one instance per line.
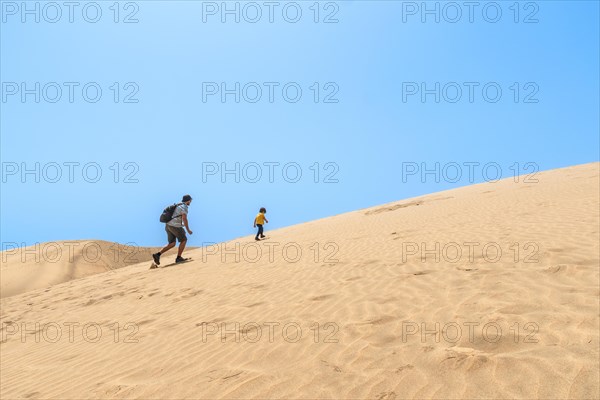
x=187, y=197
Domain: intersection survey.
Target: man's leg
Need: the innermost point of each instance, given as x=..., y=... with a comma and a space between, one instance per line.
x=181, y=248
x=171, y=239
x=182, y=241
x=167, y=248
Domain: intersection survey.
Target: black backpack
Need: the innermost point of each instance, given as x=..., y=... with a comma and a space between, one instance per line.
x=167, y=213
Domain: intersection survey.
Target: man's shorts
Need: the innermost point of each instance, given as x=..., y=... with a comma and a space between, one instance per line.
x=174, y=232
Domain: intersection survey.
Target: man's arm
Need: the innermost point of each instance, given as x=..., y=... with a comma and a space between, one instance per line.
x=266, y=220
x=255, y=222
x=185, y=223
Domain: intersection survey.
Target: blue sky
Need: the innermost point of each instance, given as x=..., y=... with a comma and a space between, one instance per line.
x=163, y=129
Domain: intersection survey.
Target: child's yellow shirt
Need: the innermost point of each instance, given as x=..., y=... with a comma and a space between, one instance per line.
x=260, y=219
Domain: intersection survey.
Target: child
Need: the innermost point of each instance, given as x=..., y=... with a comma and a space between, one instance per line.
x=260, y=220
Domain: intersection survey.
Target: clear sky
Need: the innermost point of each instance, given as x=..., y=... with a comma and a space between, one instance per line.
x=171, y=115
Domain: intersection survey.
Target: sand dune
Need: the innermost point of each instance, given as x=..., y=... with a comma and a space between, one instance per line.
x=47, y=264
x=487, y=291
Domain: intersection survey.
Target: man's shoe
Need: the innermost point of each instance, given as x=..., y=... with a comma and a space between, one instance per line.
x=256, y=238
x=156, y=257
x=179, y=259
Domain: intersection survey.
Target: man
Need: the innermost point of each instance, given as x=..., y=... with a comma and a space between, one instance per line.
x=175, y=230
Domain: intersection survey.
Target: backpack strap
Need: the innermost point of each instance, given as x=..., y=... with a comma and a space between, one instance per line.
x=176, y=205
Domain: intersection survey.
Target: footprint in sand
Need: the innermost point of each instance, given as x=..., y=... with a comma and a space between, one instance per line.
x=402, y=368
x=422, y=273
x=322, y=297
x=334, y=367
x=394, y=207
x=386, y=396
x=255, y=304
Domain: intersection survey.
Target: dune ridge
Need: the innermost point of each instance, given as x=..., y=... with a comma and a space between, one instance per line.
x=377, y=303
x=45, y=264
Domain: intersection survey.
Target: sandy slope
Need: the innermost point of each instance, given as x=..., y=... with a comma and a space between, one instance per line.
x=47, y=264
x=213, y=329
